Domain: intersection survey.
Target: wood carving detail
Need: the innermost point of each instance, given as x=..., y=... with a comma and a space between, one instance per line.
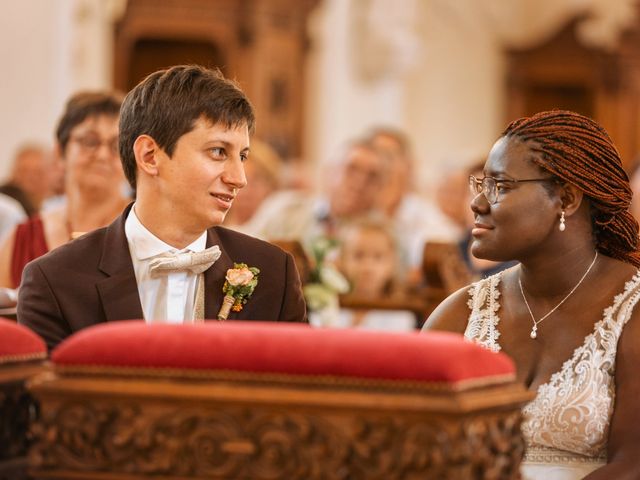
x=241, y=443
x=16, y=410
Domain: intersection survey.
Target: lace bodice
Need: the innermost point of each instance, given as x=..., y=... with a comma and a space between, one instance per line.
x=572, y=411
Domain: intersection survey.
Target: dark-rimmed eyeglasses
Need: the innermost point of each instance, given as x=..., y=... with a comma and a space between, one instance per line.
x=490, y=187
x=92, y=143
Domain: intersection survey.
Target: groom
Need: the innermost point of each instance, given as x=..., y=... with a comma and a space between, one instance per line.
x=184, y=135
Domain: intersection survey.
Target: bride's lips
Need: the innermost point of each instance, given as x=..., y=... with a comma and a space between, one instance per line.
x=479, y=228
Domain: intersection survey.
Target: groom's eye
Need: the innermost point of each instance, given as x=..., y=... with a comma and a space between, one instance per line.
x=217, y=152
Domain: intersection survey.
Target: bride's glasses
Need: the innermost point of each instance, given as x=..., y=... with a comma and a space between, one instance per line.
x=490, y=187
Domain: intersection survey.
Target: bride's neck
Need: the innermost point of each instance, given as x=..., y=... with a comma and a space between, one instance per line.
x=554, y=275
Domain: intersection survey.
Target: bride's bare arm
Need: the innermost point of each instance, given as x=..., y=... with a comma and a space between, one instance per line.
x=452, y=314
x=624, y=433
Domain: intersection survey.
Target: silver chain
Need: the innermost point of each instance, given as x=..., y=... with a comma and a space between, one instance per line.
x=534, y=329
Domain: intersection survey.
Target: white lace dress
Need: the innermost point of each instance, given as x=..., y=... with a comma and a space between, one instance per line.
x=567, y=424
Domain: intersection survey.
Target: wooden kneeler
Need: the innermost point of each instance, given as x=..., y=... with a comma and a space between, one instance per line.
x=22, y=355
x=254, y=400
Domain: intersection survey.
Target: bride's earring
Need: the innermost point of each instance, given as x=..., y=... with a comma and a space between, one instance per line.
x=562, y=225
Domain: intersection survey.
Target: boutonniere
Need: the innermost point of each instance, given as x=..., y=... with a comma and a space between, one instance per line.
x=241, y=281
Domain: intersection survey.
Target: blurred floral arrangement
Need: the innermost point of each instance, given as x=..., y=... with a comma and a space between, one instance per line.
x=325, y=284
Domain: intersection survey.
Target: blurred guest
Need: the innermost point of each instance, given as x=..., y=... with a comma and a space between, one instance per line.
x=416, y=218
x=57, y=197
x=369, y=260
x=298, y=175
x=452, y=192
x=11, y=214
x=263, y=171
x=87, y=140
x=352, y=188
x=30, y=181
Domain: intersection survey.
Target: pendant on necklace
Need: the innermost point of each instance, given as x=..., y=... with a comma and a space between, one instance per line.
x=534, y=331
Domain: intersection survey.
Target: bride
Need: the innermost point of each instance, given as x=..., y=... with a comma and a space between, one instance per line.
x=555, y=197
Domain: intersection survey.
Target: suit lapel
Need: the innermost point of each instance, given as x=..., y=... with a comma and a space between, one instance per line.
x=214, y=278
x=119, y=291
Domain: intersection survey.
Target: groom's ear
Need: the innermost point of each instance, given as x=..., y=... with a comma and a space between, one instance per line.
x=146, y=150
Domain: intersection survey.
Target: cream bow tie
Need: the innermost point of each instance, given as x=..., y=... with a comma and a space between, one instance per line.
x=195, y=262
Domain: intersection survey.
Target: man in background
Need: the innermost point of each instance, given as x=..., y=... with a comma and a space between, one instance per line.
x=415, y=218
x=353, y=180
x=31, y=178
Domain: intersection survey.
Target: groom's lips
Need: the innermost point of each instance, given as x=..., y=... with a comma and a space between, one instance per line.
x=224, y=199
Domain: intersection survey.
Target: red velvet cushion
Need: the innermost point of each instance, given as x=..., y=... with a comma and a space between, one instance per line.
x=283, y=348
x=18, y=343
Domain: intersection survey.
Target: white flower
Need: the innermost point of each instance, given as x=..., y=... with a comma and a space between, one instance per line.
x=318, y=296
x=333, y=279
x=239, y=276
x=322, y=245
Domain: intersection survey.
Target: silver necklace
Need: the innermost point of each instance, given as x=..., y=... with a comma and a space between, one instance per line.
x=534, y=330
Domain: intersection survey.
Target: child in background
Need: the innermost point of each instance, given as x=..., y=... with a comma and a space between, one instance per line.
x=369, y=260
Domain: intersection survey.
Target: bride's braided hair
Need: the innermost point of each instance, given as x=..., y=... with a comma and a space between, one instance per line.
x=577, y=150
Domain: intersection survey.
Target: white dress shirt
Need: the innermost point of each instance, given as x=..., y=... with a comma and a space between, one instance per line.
x=168, y=298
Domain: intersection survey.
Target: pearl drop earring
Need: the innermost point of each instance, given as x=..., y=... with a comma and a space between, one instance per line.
x=562, y=225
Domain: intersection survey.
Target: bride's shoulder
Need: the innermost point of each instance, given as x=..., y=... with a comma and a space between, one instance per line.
x=622, y=277
x=452, y=313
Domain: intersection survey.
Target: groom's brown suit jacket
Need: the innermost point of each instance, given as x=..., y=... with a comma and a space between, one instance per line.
x=91, y=280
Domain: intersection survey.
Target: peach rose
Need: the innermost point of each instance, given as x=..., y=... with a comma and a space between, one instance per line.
x=239, y=276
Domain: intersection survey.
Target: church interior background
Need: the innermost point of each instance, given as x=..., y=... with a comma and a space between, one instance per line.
x=450, y=74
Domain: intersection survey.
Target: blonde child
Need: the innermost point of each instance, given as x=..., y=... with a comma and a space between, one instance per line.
x=369, y=260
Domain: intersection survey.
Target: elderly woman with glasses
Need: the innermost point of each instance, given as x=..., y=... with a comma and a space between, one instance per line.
x=87, y=144
x=555, y=197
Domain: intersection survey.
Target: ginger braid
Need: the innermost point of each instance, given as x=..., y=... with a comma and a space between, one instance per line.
x=577, y=150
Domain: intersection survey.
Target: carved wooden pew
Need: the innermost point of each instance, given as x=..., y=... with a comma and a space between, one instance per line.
x=258, y=401
x=22, y=354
